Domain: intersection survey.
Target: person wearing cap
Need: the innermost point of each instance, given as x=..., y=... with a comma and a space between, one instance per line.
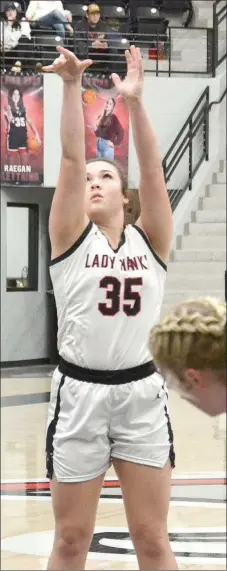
x=15, y=38
x=90, y=34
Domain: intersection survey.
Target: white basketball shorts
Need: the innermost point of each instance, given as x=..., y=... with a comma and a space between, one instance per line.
x=90, y=423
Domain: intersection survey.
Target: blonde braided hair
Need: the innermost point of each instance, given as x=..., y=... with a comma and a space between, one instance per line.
x=192, y=335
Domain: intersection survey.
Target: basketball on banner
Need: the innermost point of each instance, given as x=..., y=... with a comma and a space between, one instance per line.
x=33, y=145
x=89, y=97
x=22, y=129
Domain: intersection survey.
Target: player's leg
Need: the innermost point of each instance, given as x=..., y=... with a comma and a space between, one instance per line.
x=99, y=147
x=12, y=147
x=108, y=150
x=23, y=154
x=141, y=449
x=146, y=493
x=74, y=507
x=78, y=455
x=12, y=157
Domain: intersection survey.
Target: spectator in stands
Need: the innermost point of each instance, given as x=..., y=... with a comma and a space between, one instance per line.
x=90, y=34
x=15, y=39
x=108, y=131
x=50, y=14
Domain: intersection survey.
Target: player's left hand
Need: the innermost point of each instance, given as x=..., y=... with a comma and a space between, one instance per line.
x=132, y=86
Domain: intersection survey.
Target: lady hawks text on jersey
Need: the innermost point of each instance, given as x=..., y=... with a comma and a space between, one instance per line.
x=126, y=264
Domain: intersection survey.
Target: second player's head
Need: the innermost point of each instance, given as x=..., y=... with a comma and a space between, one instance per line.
x=189, y=347
x=105, y=191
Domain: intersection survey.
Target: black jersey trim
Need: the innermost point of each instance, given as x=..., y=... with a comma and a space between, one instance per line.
x=106, y=377
x=121, y=241
x=172, y=456
x=142, y=233
x=51, y=432
x=73, y=247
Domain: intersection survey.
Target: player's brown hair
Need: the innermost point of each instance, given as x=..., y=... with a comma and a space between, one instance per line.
x=192, y=335
x=119, y=169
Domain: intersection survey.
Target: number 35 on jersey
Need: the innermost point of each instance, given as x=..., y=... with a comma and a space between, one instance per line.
x=121, y=296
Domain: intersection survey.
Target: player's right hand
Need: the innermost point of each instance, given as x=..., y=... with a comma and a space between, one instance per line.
x=67, y=65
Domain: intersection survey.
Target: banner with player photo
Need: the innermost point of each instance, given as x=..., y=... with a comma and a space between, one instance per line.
x=106, y=120
x=22, y=129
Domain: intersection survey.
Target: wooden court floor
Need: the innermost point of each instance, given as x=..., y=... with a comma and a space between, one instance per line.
x=197, y=518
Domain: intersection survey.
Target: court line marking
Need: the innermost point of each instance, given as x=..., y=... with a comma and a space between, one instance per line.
x=111, y=483
x=198, y=476
x=119, y=501
x=29, y=543
x=132, y=558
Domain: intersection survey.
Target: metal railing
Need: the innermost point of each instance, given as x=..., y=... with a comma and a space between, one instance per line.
x=189, y=149
x=219, y=33
x=173, y=53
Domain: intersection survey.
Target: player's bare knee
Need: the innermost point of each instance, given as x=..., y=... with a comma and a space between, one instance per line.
x=150, y=541
x=71, y=542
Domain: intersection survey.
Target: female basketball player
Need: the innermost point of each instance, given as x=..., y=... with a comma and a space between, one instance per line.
x=17, y=121
x=189, y=347
x=108, y=131
x=108, y=404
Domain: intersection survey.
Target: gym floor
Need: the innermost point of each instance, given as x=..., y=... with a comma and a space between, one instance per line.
x=197, y=517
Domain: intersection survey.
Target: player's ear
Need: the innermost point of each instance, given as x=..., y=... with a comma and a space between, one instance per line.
x=192, y=379
x=125, y=200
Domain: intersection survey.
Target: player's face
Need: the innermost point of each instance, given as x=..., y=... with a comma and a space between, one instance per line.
x=11, y=14
x=206, y=390
x=109, y=106
x=16, y=96
x=104, y=196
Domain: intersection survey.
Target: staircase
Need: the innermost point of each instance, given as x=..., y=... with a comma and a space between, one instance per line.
x=197, y=265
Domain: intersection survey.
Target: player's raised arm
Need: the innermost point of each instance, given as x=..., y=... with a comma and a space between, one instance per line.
x=156, y=215
x=67, y=217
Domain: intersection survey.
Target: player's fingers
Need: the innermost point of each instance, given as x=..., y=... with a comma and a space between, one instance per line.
x=66, y=53
x=58, y=61
x=133, y=53
x=48, y=67
x=139, y=63
x=116, y=79
x=55, y=66
x=141, y=69
x=138, y=54
x=86, y=63
x=128, y=56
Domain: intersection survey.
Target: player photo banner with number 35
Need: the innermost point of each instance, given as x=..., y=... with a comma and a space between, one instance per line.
x=106, y=121
x=22, y=129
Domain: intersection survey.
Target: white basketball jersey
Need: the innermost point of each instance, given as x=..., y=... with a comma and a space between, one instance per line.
x=107, y=300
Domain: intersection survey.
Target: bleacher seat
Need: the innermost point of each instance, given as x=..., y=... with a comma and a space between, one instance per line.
x=45, y=43
x=119, y=44
x=145, y=12
x=152, y=27
x=175, y=6
x=102, y=3
x=76, y=9
x=113, y=12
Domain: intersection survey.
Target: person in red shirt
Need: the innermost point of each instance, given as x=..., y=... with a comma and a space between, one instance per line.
x=108, y=131
x=90, y=39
